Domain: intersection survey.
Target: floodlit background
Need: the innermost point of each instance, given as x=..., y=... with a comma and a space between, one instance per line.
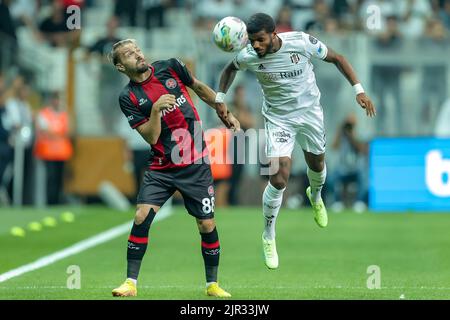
x=387, y=176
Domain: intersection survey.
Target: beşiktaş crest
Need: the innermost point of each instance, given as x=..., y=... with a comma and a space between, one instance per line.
x=295, y=57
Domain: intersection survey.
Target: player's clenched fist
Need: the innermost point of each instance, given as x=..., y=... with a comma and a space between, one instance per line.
x=164, y=102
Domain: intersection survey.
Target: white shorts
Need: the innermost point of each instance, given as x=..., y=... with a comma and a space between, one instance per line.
x=308, y=131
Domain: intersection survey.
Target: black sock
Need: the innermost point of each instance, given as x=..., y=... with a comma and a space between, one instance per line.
x=137, y=245
x=211, y=254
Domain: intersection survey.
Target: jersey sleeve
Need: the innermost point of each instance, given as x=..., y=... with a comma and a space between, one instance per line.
x=183, y=72
x=240, y=60
x=134, y=116
x=313, y=47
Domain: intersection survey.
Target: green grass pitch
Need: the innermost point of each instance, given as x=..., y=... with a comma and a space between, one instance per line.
x=412, y=251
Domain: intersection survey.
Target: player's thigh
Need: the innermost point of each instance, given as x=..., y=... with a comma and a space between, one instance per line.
x=156, y=188
x=311, y=131
x=280, y=141
x=196, y=185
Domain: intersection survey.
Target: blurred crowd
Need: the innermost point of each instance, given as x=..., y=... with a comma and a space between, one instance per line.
x=36, y=129
x=384, y=18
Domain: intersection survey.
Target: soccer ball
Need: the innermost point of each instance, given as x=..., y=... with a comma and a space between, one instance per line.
x=230, y=34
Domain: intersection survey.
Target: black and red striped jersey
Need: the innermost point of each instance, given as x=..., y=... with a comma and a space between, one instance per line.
x=181, y=141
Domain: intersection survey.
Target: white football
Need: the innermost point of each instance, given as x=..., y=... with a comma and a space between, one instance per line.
x=230, y=34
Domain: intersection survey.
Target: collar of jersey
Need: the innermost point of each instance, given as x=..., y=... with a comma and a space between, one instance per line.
x=282, y=44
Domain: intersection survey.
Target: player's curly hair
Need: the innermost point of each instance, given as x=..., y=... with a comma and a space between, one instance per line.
x=113, y=56
x=260, y=21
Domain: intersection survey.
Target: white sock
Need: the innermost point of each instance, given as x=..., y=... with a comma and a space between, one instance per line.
x=209, y=283
x=133, y=280
x=272, y=199
x=316, y=181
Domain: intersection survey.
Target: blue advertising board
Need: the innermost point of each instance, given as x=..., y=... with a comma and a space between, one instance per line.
x=409, y=174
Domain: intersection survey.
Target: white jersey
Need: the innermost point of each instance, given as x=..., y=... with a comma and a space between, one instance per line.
x=286, y=76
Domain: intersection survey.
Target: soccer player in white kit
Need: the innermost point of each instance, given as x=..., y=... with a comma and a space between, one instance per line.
x=291, y=109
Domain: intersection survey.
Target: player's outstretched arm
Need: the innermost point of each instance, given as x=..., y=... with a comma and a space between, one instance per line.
x=346, y=69
x=208, y=95
x=226, y=79
x=227, y=76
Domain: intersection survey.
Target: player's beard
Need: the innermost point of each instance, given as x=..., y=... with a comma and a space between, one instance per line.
x=268, y=50
x=270, y=46
x=141, y=68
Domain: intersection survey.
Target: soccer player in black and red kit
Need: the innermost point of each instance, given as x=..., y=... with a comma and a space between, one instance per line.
x=157, y=104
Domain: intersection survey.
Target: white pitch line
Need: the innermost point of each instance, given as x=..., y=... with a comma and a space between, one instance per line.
x=78, y=247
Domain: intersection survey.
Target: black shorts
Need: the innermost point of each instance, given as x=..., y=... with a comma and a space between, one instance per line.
x=194, y=182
